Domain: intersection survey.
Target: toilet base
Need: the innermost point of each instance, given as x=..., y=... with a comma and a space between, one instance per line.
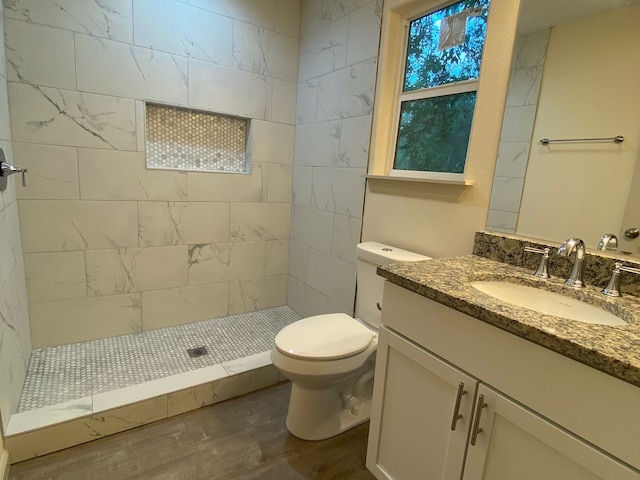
x=317, y=414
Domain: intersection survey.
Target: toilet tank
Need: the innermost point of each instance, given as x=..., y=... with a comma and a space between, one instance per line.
x=370, y=284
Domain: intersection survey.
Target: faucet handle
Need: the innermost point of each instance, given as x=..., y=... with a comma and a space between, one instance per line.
x=543, y=268
x=7, y=169
x=613, y=289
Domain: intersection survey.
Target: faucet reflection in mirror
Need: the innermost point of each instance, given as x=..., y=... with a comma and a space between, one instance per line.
x=608, y=242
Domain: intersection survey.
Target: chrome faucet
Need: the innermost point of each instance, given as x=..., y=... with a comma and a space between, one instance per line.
x=567, y=248
x=543, y=268
x=613, y=288
x=7, y=169
x=608, y=242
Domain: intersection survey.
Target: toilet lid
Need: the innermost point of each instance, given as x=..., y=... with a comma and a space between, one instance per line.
x=324, y=337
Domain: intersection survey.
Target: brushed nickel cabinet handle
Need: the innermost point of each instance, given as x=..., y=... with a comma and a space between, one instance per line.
x=456, y=408
x=476, y=423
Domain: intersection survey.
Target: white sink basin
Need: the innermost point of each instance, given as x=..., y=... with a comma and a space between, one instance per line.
x=546, y=302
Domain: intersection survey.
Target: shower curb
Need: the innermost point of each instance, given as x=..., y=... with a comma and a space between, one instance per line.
x=82, y=429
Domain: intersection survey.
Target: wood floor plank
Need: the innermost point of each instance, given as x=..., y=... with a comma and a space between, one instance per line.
x=244, y=438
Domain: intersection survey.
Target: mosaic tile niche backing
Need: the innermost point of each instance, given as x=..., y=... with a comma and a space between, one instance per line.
x=185, y=139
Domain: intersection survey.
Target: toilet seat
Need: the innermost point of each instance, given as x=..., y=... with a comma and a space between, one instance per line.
x=324, y=337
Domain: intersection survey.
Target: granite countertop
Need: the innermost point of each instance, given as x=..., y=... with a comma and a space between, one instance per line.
x=614, y=350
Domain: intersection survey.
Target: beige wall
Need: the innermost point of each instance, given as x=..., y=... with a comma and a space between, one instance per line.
x=15, y=339
x=589, y=89
x=632, y=213
x=110, y=247
x=440, y=220
x=4, y=462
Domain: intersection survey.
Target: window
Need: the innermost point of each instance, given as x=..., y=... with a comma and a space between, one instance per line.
x=435, y=106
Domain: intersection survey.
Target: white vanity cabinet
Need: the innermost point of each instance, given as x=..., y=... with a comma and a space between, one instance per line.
x=417, y=436
x=514, y=443
x=543, y=418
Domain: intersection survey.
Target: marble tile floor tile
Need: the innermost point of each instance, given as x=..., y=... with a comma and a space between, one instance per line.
x=71, y=381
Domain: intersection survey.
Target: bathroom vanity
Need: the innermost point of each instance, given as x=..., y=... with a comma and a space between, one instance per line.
x=471, y=387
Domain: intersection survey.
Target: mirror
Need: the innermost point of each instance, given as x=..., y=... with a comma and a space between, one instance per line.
x=574, y=76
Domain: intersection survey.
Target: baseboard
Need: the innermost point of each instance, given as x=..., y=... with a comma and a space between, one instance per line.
x=4, y=465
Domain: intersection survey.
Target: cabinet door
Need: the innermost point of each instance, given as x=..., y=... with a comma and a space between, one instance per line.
x=415, y=395
x=513, y=442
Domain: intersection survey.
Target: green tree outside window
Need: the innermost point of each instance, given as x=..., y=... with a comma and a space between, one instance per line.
x=444, y=48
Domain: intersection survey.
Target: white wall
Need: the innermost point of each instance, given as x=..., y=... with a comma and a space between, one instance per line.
x=110, y=247
x=589, y=89
x=440, y=220
x=15, y=339
x=338, y=52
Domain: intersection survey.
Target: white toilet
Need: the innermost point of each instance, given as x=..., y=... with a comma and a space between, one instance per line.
x=330, y=358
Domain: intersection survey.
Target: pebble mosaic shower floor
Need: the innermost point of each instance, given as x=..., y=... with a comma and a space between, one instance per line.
x=67, y=372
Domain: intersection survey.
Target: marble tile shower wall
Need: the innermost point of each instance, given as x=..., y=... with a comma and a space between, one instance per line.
x=515, y=140
x=338, y=57
x=15, y=340
x=112, y=248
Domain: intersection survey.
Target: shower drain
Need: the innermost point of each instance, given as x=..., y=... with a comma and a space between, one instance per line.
x=197, y=352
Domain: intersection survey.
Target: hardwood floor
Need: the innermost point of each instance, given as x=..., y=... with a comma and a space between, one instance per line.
x=243, y=438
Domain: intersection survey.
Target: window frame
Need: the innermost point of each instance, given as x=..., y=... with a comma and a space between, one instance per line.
x=396, y=16
x=489, y=113
x=463, y=86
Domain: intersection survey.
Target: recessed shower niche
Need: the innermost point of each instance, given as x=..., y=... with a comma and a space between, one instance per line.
x=179, y=138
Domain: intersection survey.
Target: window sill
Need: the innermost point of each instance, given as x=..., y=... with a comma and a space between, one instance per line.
x=465, y=182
